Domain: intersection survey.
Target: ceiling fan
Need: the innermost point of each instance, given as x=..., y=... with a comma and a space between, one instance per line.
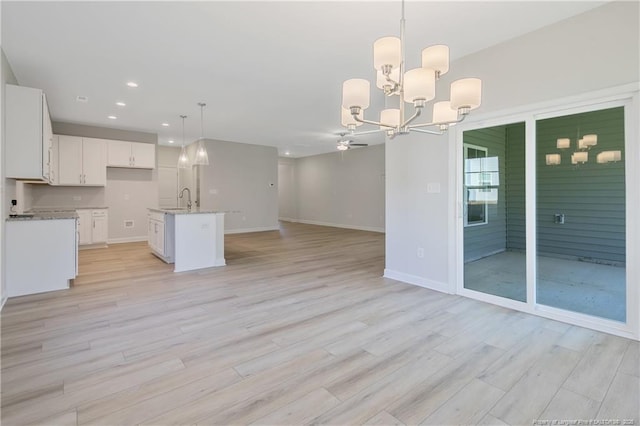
x=346, y=143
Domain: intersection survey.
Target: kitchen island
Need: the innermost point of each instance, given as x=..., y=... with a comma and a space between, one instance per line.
x=190, y=239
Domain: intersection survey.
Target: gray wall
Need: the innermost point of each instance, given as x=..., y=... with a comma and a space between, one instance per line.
x=287, y=189
x=241, y=179
x=591, y=195
x=344, y=189
x=128, y=193
x=486, y=239
x=7, y=186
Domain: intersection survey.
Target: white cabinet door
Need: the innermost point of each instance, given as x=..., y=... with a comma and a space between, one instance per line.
x=70, y=160
x=47, y=140
x=99, y=232
x=118, y=154
x=94, y=162
x=85, y=226
x=151, y=233
x=143, y=155
x=160, y=239
x=27, y=123
x=53, y=161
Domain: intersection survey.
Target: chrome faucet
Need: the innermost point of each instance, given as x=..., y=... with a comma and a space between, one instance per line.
x=188, y=196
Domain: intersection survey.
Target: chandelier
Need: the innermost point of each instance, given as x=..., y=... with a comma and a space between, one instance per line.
x=416, y=87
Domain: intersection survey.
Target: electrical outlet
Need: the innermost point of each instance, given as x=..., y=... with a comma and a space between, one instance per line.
x=420, y=252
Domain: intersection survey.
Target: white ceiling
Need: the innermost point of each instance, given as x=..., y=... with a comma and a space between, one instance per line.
x=271, y=73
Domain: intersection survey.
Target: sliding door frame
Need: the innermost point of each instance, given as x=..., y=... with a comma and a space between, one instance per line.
x=627, y=96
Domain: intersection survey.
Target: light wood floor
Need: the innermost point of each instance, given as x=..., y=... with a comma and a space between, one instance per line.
x=298, y=328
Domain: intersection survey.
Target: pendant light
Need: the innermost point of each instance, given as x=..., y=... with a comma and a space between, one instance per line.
x=202, y=158
x=183, y=159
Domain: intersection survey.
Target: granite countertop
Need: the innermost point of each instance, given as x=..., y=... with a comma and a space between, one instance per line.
x=176, y=211
x=63, y=209
x=71, y=214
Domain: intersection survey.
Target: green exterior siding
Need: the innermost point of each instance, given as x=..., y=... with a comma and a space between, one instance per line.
x=515, y=187
x=590, y=195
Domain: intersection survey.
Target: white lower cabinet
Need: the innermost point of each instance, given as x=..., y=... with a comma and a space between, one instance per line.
x=41, y=255
x=92, y=227
x=160, y=237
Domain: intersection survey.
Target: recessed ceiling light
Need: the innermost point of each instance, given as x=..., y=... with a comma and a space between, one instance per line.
x=171, y=141
x=121, y=104
x=165, y=124
x=132, y=84
x=112, y=117
x=287, y=153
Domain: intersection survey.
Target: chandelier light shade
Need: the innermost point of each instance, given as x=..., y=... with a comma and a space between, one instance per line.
x=390, y=117
x=608, y=156
x=202, y=157
x=443, y=113
x=563, y=143
x=553, y=159
x=466, y=93
x=183, y=158
x=590, y=140
x=419, y=85
x=579, y=157
x=387, y=51
x=355, y=94
x=436, y=58
x=415, y=87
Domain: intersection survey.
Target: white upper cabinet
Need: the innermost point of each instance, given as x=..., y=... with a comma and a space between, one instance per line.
x=131, y=155
x=81, y=161
x=28, y=133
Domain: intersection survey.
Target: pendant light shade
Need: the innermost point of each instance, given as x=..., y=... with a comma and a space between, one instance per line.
x=183, y=159
x=202, y=157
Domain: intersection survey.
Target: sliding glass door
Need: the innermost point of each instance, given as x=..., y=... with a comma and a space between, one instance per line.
x=544, y=215
x=580, y=199
x=494, y=211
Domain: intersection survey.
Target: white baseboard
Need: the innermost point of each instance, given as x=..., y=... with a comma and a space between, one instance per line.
x=127, y=240
x=419, y=281
x=247, y=230
x=287, y=219
x=339, y=225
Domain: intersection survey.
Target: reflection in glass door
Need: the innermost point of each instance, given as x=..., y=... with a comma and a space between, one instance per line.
x=494, y=211
x=580, y=199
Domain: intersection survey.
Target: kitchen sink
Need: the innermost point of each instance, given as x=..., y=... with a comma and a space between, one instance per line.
x=175, y=208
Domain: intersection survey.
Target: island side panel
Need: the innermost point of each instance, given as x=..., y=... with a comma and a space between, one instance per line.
x=220, y=260
x=195, y=241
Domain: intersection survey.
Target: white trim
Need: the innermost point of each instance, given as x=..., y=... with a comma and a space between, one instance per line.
x=4, y=300
x=627, y=96
x=127, y=240
x=338, y=225
x=288, y=219
x=247, y=230
x=418, y=281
